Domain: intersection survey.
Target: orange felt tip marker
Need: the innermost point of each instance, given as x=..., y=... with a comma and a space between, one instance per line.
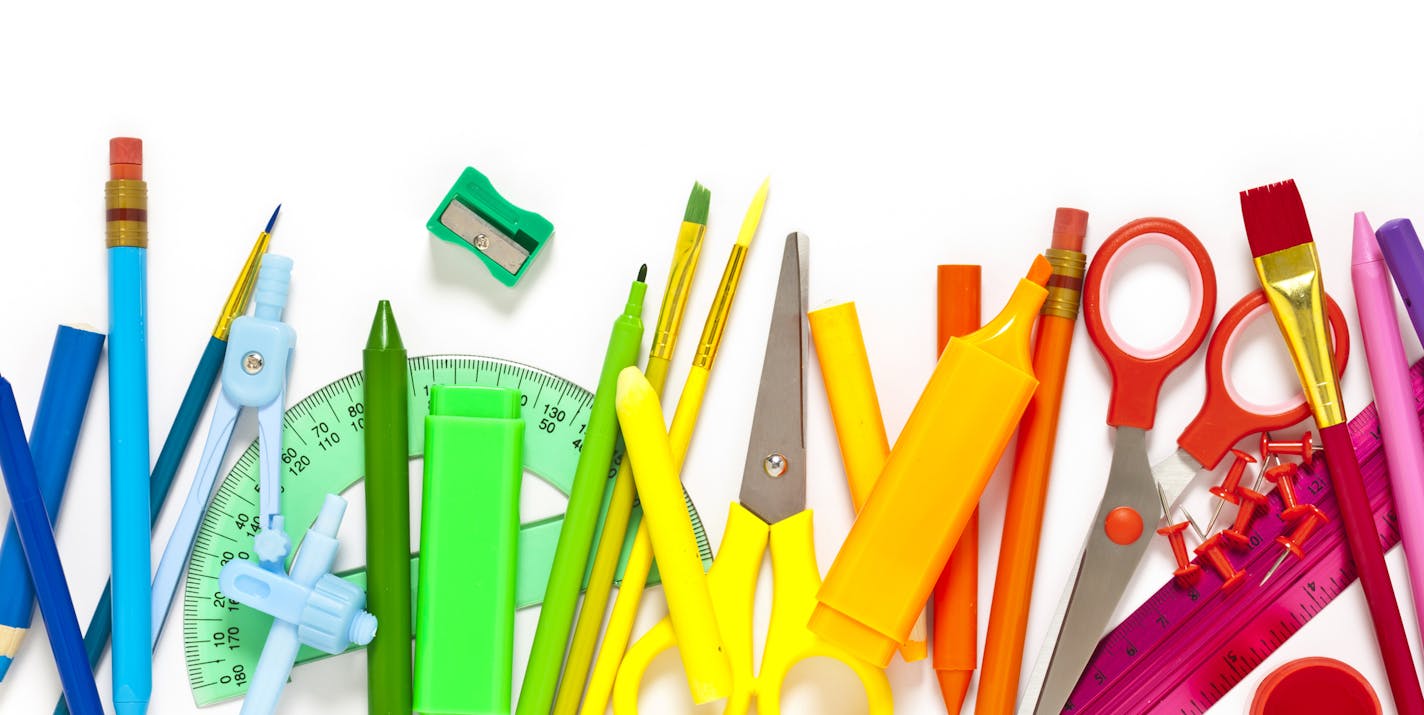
x=956, y=595
x=902, y=539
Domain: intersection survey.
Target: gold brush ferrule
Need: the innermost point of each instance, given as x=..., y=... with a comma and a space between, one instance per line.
x=126, y=213
x=721, y=307
x=1065, y=286
x=679, y=286
x=241, y=294
x=1291, y=278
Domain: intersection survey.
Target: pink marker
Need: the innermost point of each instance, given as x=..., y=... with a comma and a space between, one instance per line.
x=1389, y=373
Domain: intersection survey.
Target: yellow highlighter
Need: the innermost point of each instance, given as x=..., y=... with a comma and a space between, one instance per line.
x=900, y=541
x=704, y=657
x=855, y=410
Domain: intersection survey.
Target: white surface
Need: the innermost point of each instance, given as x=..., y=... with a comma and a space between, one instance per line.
x=897, y=139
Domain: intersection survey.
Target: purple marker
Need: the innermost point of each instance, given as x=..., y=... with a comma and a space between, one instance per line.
x=1405, y=258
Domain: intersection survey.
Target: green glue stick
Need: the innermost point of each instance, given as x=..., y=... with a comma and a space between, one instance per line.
x=469, y=533
x=591, y=476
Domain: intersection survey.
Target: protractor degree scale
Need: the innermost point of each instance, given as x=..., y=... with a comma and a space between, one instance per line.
x=323, y=452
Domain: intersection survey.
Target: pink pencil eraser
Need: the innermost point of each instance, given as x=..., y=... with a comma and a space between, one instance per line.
x=1069, y=228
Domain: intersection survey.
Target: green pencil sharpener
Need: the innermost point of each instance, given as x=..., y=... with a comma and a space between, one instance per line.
x=504, y=236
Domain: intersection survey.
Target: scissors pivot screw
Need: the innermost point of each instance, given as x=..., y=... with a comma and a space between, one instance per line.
x=252, y=363
x=1187, y=573
x=1211, y=550
x=1303, y=448
x=1123, y=525
x=775, y=464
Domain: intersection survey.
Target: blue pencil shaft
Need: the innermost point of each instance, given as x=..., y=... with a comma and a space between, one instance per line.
x=37, y=537
x=129, y=472
x=69, y=379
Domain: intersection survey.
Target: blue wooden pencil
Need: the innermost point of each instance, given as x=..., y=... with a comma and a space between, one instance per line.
x=68, y=381
x=37, y=536
x=126, y=235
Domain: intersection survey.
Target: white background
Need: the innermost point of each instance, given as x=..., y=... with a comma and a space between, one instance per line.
x=896, y=138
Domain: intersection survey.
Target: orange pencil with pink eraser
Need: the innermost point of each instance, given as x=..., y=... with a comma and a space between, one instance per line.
x=900, y=542
x=956, y=595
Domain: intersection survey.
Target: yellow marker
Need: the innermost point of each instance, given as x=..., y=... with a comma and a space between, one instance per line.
x=704, y=657
x=899, y=543
x=855, y=410
x=689, y=404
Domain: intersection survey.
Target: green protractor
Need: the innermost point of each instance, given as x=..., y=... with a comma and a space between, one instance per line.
x=323, y=454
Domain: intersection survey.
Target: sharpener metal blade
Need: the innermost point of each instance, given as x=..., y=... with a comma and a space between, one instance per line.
x=483, y=236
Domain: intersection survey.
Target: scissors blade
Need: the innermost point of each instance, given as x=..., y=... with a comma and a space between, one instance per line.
x=1174, y=474
x=1104, y=568
x=774, y=479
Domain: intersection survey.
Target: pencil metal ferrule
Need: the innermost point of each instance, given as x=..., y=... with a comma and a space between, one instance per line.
x=1291, y=279
x=1065, y=286
x=126, y=213
x=721, y=308
x=241, y=294
x=679, y=286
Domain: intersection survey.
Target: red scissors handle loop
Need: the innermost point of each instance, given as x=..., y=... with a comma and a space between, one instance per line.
x=1138, y=374
x=1226, y=417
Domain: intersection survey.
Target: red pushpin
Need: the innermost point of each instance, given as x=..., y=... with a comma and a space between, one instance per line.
x=1312, y=519
x=1283, y=475
x=1211, y=549
x=1252, y=502
x=1187, y=573
x=1226, y=491
x=1304, y=448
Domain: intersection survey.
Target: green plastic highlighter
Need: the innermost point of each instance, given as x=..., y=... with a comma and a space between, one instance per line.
x=464, y=642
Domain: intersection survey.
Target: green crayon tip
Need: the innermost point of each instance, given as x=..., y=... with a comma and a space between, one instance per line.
x=384, y=333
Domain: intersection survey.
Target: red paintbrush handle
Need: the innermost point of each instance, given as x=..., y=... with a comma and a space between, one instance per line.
x=1368, y=556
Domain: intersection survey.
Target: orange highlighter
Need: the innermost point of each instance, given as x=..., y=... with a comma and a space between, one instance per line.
x=956, y=595
x=902, y=539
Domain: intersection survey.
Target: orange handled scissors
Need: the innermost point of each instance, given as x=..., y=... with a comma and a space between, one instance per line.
x=771, y=510
x=1138, y=495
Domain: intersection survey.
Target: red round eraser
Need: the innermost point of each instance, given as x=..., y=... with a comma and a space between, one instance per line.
x=126, y=150
x=1315, y=685
x=1070, y=226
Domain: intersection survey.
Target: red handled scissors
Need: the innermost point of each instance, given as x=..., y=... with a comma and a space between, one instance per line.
x=1137, y=494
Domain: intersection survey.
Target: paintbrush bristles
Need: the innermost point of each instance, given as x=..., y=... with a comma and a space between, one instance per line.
x=697, y=205
x=1275, y=218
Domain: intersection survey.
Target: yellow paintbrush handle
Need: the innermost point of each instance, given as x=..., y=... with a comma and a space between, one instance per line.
x=855, y=410
x=655, y=472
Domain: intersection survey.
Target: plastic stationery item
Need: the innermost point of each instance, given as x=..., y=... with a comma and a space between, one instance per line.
x=1405, y=257
x=324, y=437
x=311, y=607
x=901, y=540
x=1315, y=685
x=469, y=531
x=254, y=374
x=1184, y=649
x=504, y=236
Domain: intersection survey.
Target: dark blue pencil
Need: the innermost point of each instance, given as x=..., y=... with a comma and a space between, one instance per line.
x=68, y=381
x=37, y=536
